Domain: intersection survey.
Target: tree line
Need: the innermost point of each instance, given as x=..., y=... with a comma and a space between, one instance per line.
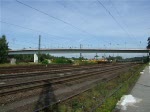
x=3, y=49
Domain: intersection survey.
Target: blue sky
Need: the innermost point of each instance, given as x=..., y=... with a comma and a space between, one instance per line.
x=91, y=25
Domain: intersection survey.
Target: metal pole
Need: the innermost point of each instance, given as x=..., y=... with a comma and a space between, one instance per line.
x=39, y=52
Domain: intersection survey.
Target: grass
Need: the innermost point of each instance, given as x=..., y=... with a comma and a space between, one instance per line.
x=110, y=102
x=91, y=98
x=18, y=64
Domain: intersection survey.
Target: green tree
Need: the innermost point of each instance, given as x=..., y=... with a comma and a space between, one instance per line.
x=148, y=46
x=3, y=49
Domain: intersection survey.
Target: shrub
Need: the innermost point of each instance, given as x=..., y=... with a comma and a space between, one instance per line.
x=45, y=61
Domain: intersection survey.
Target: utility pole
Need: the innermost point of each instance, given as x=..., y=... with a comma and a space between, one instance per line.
x=39, y=52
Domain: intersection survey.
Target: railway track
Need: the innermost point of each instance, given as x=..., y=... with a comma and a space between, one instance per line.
x=56, y=80
x=43, y=68
x=112, y=77
x=46, y=71
x=24, y=69
x=52, y=71
x=98, y=74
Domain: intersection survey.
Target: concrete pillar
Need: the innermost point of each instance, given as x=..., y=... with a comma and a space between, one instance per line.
x=149, y=57
x=12, y=61
x=35, y=58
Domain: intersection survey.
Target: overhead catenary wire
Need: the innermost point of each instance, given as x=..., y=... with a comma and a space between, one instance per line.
x=31, y=29
x=73, y=11
x=51, y=16
x=35, y=31
x=60, y=37
x=64, y=6
x=58, y=18
x=47, y=40
x=123, y=22
x=101, y=4
x=65, y=22
x=126, y=31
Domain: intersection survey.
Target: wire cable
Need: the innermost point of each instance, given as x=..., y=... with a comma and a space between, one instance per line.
x=113, y=18
x=123, y=22
x=30, y=29
x=73, y=26
x=46, y=40
x=60, y=37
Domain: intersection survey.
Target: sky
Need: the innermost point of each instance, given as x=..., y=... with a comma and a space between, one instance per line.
x=115, y=24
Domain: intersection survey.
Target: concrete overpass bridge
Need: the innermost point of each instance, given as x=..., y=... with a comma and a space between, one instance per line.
x=70, y=50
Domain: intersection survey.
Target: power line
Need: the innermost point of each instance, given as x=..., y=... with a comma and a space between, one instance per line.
x=72, y=10
x=64, y=6
x=73, y=26
x=31, y=29
x=113, y=17
x=34, y=30
x=80, y=16
x=123, y=22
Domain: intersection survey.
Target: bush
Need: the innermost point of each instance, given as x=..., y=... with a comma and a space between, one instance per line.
x=45, y=61
x=62, y=61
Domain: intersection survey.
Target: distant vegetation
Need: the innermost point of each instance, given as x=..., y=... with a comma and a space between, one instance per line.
x=44, y=58
x=47, y=58
x=114, y=58
x=3, y=49
x=148, y=46
x=143, y=59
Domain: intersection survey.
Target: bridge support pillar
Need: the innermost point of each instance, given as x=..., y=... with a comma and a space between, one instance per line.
x=35, y=58
x=149, y=57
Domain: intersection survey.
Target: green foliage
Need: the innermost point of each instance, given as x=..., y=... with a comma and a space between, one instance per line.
x=45, y=61
x=62, y=60
x=23, y=57
x=110, y=102
x=144, y=59
x=45, y=56
x=148, y=46
x=3, y=49
x=114, y=58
